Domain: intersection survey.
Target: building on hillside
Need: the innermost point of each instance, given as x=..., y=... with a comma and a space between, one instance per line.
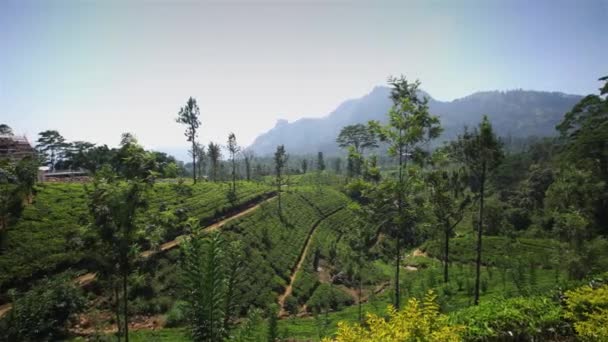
x=45, y=175
x=15, y=148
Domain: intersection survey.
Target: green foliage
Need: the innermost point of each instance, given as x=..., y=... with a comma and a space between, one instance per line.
x=498, y=250
x=43, y=312
x=114, y=207
x=206, y=287
x=358, y=136
x=233, y=149
x=291, y=305
x=415, y=322
x=53, y=234
x=273, y=332
x=280, y=162
x=189, y=116
x=327, y=297
x=273, y=244
x=50, y=145
x=584, y=136
x=480, y=152
x=409, y=129
x=26, y=172
x=448, y=201
x=132, y=161
x=250, y=330
x=519, y=318
x=11, y=197
x=587, y=308
x=574, y=189
x=320, y=162
x=356, y=139
x=176, y=316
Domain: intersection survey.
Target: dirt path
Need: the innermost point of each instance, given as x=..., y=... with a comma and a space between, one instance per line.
x=301, y=258
x=178, y=240
x=4, y=309
x=88, y=278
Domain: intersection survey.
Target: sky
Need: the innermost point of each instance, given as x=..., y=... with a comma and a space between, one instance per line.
x=95, y=69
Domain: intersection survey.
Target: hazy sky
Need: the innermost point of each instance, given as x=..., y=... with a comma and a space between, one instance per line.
x=95, y=69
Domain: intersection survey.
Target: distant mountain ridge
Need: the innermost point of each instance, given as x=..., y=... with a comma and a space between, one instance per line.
x=518, y=113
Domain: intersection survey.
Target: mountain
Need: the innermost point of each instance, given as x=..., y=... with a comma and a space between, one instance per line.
x=518, y=113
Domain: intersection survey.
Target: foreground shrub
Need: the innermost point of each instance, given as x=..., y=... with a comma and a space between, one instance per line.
x=587, y=308
x=519, y=319
x=328, y=297
x=415, y=322
x=42, y=313
x=176, y=316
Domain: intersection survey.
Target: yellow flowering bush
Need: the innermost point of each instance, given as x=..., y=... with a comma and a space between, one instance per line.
x=587, y=308
x=415, y=322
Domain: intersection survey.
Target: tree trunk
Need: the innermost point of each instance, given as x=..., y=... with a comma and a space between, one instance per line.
x=397, y=269
x=125, y=306
x=359, y=300
x=52, y=160
x=117, y=308
x=479, y=229
x=400, y=213
x=233, y=175
x=193, y=161
x=446, y=250
x=279, y=191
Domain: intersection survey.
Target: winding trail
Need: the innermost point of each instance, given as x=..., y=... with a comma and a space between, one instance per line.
x=4, y=309
x=88, y=278
x=301, y=258
x=178, y=240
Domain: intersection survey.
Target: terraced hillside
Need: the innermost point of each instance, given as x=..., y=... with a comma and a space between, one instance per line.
x=275, y=243
x=53, y=232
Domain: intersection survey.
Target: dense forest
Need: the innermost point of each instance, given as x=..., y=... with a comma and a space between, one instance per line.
x=396, y=238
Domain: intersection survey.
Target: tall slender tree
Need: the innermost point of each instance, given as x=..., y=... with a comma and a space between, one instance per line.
x=304, y=166
x=354, y=162
x=189, y=116
x=410, y=127
x=233, y=149
x=114, y=207
x=480, y=151
x=448, y=201
x=215, y=154
x=280, y=162
x=320, y=162
x=201, y=156
x=248, y=157
x=338, y=165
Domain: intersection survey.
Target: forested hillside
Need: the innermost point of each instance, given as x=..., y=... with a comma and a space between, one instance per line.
x=514, y=113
